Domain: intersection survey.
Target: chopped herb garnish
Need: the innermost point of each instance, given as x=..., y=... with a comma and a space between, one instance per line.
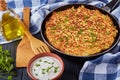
x=66, y=43
x=92, y=46
x=37, y=65
x=40, y=60
x=92, y=34
x=56, y=69
x=61, y=39
x=86, y=17
x=43, y=71
x=47, y=70
x=53, y=28
x=36, y=74
x=94, y=39
x=80, y=31
x=66, y=16
x=91, y=29
x=66, y=20
x=72, y=28
x=52, y=62
x=66, y=38
x=107, y=33
x=45, y=61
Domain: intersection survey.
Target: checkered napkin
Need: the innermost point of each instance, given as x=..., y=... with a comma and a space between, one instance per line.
x=106, y=67
x=40, y=8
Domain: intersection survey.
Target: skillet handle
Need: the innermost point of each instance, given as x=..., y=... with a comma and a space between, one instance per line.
x=111, y=6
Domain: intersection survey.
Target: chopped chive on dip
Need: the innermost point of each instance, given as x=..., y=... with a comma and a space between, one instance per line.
x=37, y=65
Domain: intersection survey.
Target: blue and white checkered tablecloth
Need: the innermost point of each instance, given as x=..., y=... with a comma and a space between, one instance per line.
x=40, y=8
x=106, y=67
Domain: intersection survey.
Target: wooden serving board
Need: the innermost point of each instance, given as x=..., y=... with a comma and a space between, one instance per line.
x=24, y=51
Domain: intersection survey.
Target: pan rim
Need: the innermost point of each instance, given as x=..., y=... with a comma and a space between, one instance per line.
x=93, y=7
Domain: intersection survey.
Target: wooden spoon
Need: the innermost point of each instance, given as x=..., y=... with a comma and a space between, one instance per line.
x=24, y=51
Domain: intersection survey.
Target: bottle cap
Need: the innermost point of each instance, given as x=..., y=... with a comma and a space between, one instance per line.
x=3, y=5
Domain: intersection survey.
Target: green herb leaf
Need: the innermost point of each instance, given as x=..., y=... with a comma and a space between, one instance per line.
x=9, y=78
x=6, y=64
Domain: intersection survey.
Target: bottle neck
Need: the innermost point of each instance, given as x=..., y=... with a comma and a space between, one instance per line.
x=3, y=5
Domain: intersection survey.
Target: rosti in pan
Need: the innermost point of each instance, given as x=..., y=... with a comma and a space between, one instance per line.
x=80, y=31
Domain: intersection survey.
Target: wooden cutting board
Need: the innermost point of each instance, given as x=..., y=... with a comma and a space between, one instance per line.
x=24, y=51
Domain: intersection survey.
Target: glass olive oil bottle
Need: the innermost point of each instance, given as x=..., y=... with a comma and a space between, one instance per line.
x=10, y=25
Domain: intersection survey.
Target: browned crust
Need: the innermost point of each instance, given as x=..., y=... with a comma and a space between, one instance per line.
x=80, y=31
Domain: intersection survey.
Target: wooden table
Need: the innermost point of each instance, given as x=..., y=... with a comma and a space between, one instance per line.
x=72, y=65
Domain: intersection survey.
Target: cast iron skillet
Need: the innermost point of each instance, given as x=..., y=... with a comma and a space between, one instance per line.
x=105, y=10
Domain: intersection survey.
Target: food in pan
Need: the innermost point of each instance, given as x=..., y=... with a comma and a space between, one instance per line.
x=80, y=31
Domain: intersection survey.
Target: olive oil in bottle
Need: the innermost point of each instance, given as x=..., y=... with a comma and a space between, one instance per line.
x=10, y=25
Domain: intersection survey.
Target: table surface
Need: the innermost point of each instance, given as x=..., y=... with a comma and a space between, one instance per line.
x=71, y=70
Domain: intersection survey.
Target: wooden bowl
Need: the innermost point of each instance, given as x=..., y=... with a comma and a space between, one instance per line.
x=43, y=64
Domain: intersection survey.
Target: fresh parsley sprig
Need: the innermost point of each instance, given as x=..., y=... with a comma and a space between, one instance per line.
x=6, y=64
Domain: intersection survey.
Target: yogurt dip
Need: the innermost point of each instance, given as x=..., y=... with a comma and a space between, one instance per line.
x=45, y=68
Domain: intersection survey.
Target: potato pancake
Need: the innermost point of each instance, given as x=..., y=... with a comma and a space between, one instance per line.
x=80, y=31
